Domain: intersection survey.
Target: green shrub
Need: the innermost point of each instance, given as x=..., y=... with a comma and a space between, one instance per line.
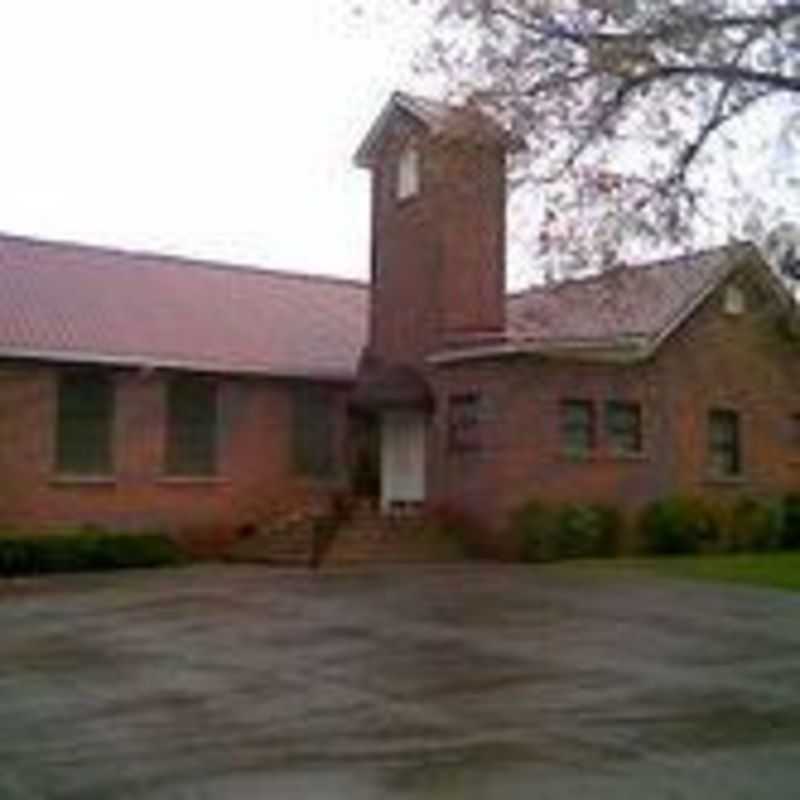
x=84, y=552
x=678, y=525
x=575, y=530
x=790, y=538
x=535, y=528
x=611, y=524
x=755, y=525
x=588, y=530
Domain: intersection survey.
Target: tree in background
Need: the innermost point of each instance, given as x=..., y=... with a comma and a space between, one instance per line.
x=644, y=119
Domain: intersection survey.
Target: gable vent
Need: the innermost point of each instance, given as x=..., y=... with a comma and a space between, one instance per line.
x=734, y=301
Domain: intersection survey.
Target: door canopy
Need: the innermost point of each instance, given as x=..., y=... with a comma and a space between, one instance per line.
x=392, y=387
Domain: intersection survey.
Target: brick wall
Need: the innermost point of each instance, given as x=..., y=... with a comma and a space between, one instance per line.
x=256, y=473
x=742, y=363
x=438, y=258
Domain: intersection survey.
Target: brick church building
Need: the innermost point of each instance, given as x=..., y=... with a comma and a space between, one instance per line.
x=141, y=391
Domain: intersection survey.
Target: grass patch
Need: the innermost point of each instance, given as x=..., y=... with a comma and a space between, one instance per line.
x=779, y=570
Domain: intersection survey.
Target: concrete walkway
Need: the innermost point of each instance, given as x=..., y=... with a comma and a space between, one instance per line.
x=450, y=682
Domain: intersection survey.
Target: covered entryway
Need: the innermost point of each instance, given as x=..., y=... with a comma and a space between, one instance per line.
x=398, y=399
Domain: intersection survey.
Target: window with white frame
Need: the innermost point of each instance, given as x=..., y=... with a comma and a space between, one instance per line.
x=724, y=442
x=624, y=427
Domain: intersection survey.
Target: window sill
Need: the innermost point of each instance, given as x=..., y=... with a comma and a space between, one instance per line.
x=600, y=456
x=192, y=480
x=623, y=456
x=83, y=480
x=578, y=456
x=726, y=480
x=321, y=480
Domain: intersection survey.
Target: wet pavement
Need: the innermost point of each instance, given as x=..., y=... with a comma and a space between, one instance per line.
x=449, y=682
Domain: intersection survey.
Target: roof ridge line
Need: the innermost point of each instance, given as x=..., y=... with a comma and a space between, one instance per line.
x=688, y=256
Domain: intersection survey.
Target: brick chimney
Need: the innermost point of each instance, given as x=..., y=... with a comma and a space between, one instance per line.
x=438, y=227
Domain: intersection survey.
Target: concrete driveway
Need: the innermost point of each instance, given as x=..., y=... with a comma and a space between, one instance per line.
x=459, y=682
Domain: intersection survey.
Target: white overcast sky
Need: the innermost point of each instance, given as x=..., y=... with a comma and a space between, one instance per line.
x=223, y=129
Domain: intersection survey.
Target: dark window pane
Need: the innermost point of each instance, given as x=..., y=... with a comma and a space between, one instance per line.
x=577, y=425
x=464, y=422
x=192, y=422
x=85, y=423
x=624, y=427
x=314, y=432
x=724, y=442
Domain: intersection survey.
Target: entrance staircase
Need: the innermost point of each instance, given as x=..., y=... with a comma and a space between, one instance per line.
x=365, y=538
x=287, y=542
x=372, y=538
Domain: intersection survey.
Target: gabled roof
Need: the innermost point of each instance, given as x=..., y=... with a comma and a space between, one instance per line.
x=79, y=304
x=439, y=119
x=626, y=302
x=626, y=312
x=76, y=303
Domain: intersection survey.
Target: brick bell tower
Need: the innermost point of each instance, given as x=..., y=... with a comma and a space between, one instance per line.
x=437, y=271
x=438, y=227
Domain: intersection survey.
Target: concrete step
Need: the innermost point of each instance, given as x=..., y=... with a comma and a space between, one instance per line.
x=390, y=540
x=285, y=546
x=367, y=538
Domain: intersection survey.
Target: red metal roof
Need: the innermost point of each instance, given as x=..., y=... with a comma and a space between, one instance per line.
x=79, y=303
x=628, y=302
x=89, y=304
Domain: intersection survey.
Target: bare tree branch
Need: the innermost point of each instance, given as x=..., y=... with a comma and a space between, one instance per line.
x=623, y=102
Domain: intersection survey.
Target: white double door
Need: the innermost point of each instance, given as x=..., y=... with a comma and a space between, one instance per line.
x=403, y=435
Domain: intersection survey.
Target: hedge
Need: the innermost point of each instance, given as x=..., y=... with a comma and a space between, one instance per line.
x=755, y=525
x=791, y=521
x=679, y=525
x=682, y=524
x=84, y=552
x=546, y=532
x=674, y=525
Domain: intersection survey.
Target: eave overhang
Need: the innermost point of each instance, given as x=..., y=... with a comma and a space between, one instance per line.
x=146, y=363
x=623, y=350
